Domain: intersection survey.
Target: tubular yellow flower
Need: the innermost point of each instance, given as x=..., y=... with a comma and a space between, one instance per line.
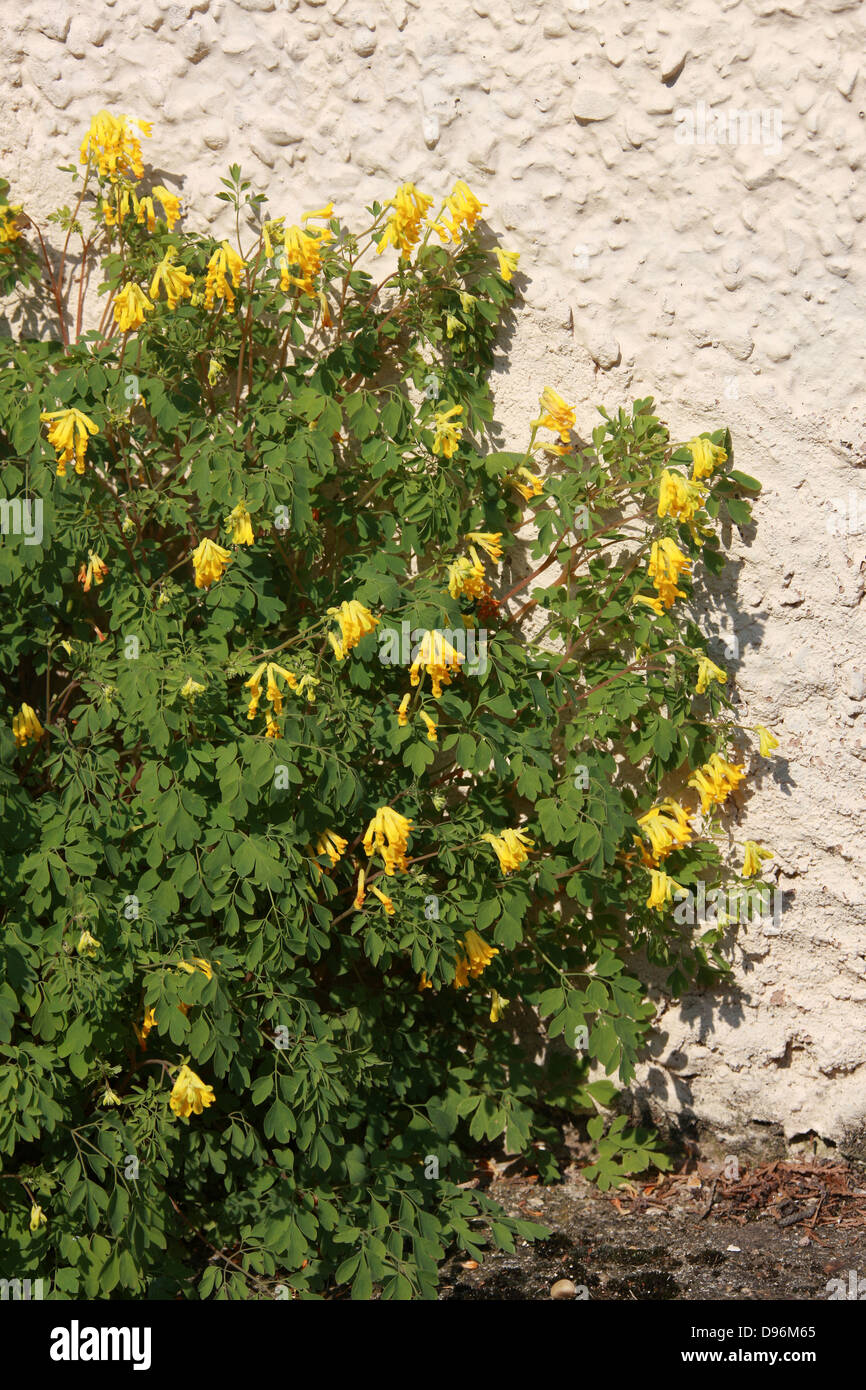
x=666, y=563
x=189, y=1094
x=148, y=1023
x=716, y=780
x=87, y=945
x=490, y=542
x=112, y=146
x=466, y=576
x=170, y=205
x=209, y=562
x=752, y=855
x=498, y=1005
x=438, y=658
x=403, y=711
x=556, y=414
x=709, y=671
x=662, y=887
x=130, y=307
x=511, y=848
x=403, y=227
x=448, y=432
x=679, y=497
x=239, y=525
x=68, y=436
x=766, y=741
x=464, y=209
x=224, y=262
x=37, y=1218
x=654, y=603
x=25, y=725
x=93, y=572
x=430, y=726
x=302, y=248
x=174, y=279
x=109, y=1097
x=705, y=456
x=474, y=955
x=666, y=827
x=383, y=899
x=388, y=835
x=507, y=262
x=355, y=621
x=190, y=689
x=360, y=893
x=331, y=844
x=531, y=486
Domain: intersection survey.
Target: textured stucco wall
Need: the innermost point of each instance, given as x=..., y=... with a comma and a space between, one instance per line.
x=727, y=280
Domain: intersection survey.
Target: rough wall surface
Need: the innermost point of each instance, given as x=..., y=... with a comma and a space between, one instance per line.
x=725, y=278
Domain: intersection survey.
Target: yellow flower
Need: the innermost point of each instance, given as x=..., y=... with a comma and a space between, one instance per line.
x=331, y=844
x=254, y=685
x=388, y=835
x=109, y=1097
x=189, y=1094
x=507, y=262
x=466, y=576
x=766, y=741
x=679, y=497
x=705, y=456
x=87, y=945
x=9, y=228
x=191, y=688
x=239, y=524
x=170, y=205
x=662, y=888
x=448, y=431
x=465, y=209
x=37, y=1218
x=383, y=899
x=68, y=436
x=716, y=780
x=224, y=262
x=474, y=956
x=302, y=248
x=111, y=144
x=666, y=563
x=430, y=725
x=532, y=485
x=93, y=572
x=359, y=891
x=355, y=621
x=498, y=1005
x=752, y=856
x=174, y=279
x=25, y=726
x=438, y=658
x=511, y=848
x=556, y=415
x=666, y=827
x=209, y=561
x=130, y=307
x=654, y=603
x=403, y=228
x=147, y=1024
x=403, y=711
x=490, y=542
x=709, y=671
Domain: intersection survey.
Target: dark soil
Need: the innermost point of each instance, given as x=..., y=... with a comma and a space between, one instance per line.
x=781, y=1231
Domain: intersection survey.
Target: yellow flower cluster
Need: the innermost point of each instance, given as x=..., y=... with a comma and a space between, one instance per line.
x=239, y=525
x=114, y=213
x=301, y=257
x=25, y=725
x=174, y=279
x=705, y=457
x=9, y=228
x=667, y=827
x=429, y=723
x=666, y=563
x=355, y=622
x=131, y=304
x=93, y=572
x=556, y=414
x=68, y=435
x=679, y=497
x=189, y=1094
x=388, y=835
x=403, y=227
x=474, y=955
x=439, y=659
x=511, y=848
x=113, y=147
x=273, y=694
x=224, y=262
x=716, y=780
x=331, y=844
x=448, y=431
x=209, y=562
x=464, y=210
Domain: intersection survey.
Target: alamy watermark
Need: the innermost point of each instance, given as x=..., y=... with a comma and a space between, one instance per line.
x=700, y=125
x=22, y=516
